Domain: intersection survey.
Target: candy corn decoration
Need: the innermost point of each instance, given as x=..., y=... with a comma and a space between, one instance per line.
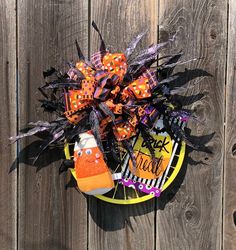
x=92, y=174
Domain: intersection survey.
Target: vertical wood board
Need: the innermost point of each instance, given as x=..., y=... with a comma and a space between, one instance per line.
x=8, y=111
x=50, y=217
x=115, y=226
x=229, y=195
x=193, y=217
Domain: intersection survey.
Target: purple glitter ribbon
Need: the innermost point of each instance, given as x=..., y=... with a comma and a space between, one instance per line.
x=141, y=187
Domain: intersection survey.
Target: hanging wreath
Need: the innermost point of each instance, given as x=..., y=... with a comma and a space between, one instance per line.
x=118, y=122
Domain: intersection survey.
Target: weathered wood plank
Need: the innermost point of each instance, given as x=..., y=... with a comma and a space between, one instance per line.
x=8, y=181
x=229, y=210
x=193, y=218
x=50, y=217
x=113, y=226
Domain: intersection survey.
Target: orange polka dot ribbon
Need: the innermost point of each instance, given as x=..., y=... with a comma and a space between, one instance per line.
x=104, y=82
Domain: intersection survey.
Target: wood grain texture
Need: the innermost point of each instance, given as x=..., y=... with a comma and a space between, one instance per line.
x=8, y=181
x=193, y=218
x=50, y=217
x=36, y=212
x=229, y=211
x=112, y=226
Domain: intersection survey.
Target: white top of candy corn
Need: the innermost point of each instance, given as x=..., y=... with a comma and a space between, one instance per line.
x=87, y=140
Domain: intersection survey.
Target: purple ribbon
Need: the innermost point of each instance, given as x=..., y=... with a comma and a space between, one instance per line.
x=141, y=187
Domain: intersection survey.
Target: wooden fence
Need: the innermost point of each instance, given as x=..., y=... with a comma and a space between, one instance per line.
x=36, y=211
